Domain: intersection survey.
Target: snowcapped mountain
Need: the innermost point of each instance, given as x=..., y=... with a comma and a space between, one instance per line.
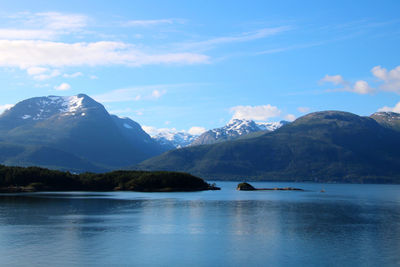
x=76, y=128
x=271, y=126
x=234, y=129
x=171, y=138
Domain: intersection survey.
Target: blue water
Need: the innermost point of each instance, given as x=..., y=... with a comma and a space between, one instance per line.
x=348, y=225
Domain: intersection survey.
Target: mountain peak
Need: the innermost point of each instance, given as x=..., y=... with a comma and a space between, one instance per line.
x=41, y=108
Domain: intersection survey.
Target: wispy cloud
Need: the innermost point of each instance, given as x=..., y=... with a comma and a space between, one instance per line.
x=151, y=22
x=147, y=92
x=43, y=26
x=27, y=53
x=73, y=75
x=243, y=37
x=289, y=48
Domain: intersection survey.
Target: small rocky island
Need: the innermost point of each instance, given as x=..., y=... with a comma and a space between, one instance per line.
x=33, y=179
x=249, y=187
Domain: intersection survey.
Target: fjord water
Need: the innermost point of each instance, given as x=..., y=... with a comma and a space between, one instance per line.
x=348, y=225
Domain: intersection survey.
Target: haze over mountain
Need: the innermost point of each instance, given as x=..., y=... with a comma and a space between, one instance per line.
x=323, y=146
x=71, y=133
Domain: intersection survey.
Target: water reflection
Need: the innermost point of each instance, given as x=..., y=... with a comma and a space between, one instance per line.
x=227, y=228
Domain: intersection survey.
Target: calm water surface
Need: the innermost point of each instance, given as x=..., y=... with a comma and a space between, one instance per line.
x=348, y=225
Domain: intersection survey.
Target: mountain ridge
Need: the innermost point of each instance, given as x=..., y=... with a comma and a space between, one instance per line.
x=329, y=146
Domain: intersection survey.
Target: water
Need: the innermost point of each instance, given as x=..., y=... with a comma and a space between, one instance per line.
x=348, y=225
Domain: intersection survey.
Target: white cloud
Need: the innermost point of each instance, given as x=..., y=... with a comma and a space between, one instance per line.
x=396, y=108
x=73, y=75
x=5, y=107
x=28, y=53
x=63, y=87
x=390, y=79
x=359, y=87
x=290, y=117
x=258, y=113
x=196, y=130
x=362, y=87
x=93, y=77
x=150, y=22
x=387, y=81
x=303, y=109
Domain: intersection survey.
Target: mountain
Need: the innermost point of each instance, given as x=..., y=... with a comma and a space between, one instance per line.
x=71, y=133
x=235, y=129
x=388, y=119
x=172, y=139
x=330, y=146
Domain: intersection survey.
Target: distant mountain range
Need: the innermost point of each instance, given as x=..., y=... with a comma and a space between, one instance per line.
x=329, y=146
x=234, y=129
x=72, y=133
x=77, y=134
x=172, y=139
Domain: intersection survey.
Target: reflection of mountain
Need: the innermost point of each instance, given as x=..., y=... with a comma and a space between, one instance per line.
x=322, y=146
x=71, y=133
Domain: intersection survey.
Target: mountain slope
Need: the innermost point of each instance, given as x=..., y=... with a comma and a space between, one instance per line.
x=388, y=119
x=322, y=146
x=79, y=127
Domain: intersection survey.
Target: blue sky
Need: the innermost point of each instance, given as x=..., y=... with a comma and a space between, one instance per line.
x=184, y=64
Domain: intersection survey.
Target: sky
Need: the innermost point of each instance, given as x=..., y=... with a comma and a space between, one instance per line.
x=195, y=65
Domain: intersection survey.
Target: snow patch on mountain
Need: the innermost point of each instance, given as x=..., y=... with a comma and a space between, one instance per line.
x=270, y=126
x=170, y=137
x=41, y=108
x=127, y=126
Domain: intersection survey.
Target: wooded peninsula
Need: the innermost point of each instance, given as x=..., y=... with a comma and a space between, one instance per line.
x=32, y=179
